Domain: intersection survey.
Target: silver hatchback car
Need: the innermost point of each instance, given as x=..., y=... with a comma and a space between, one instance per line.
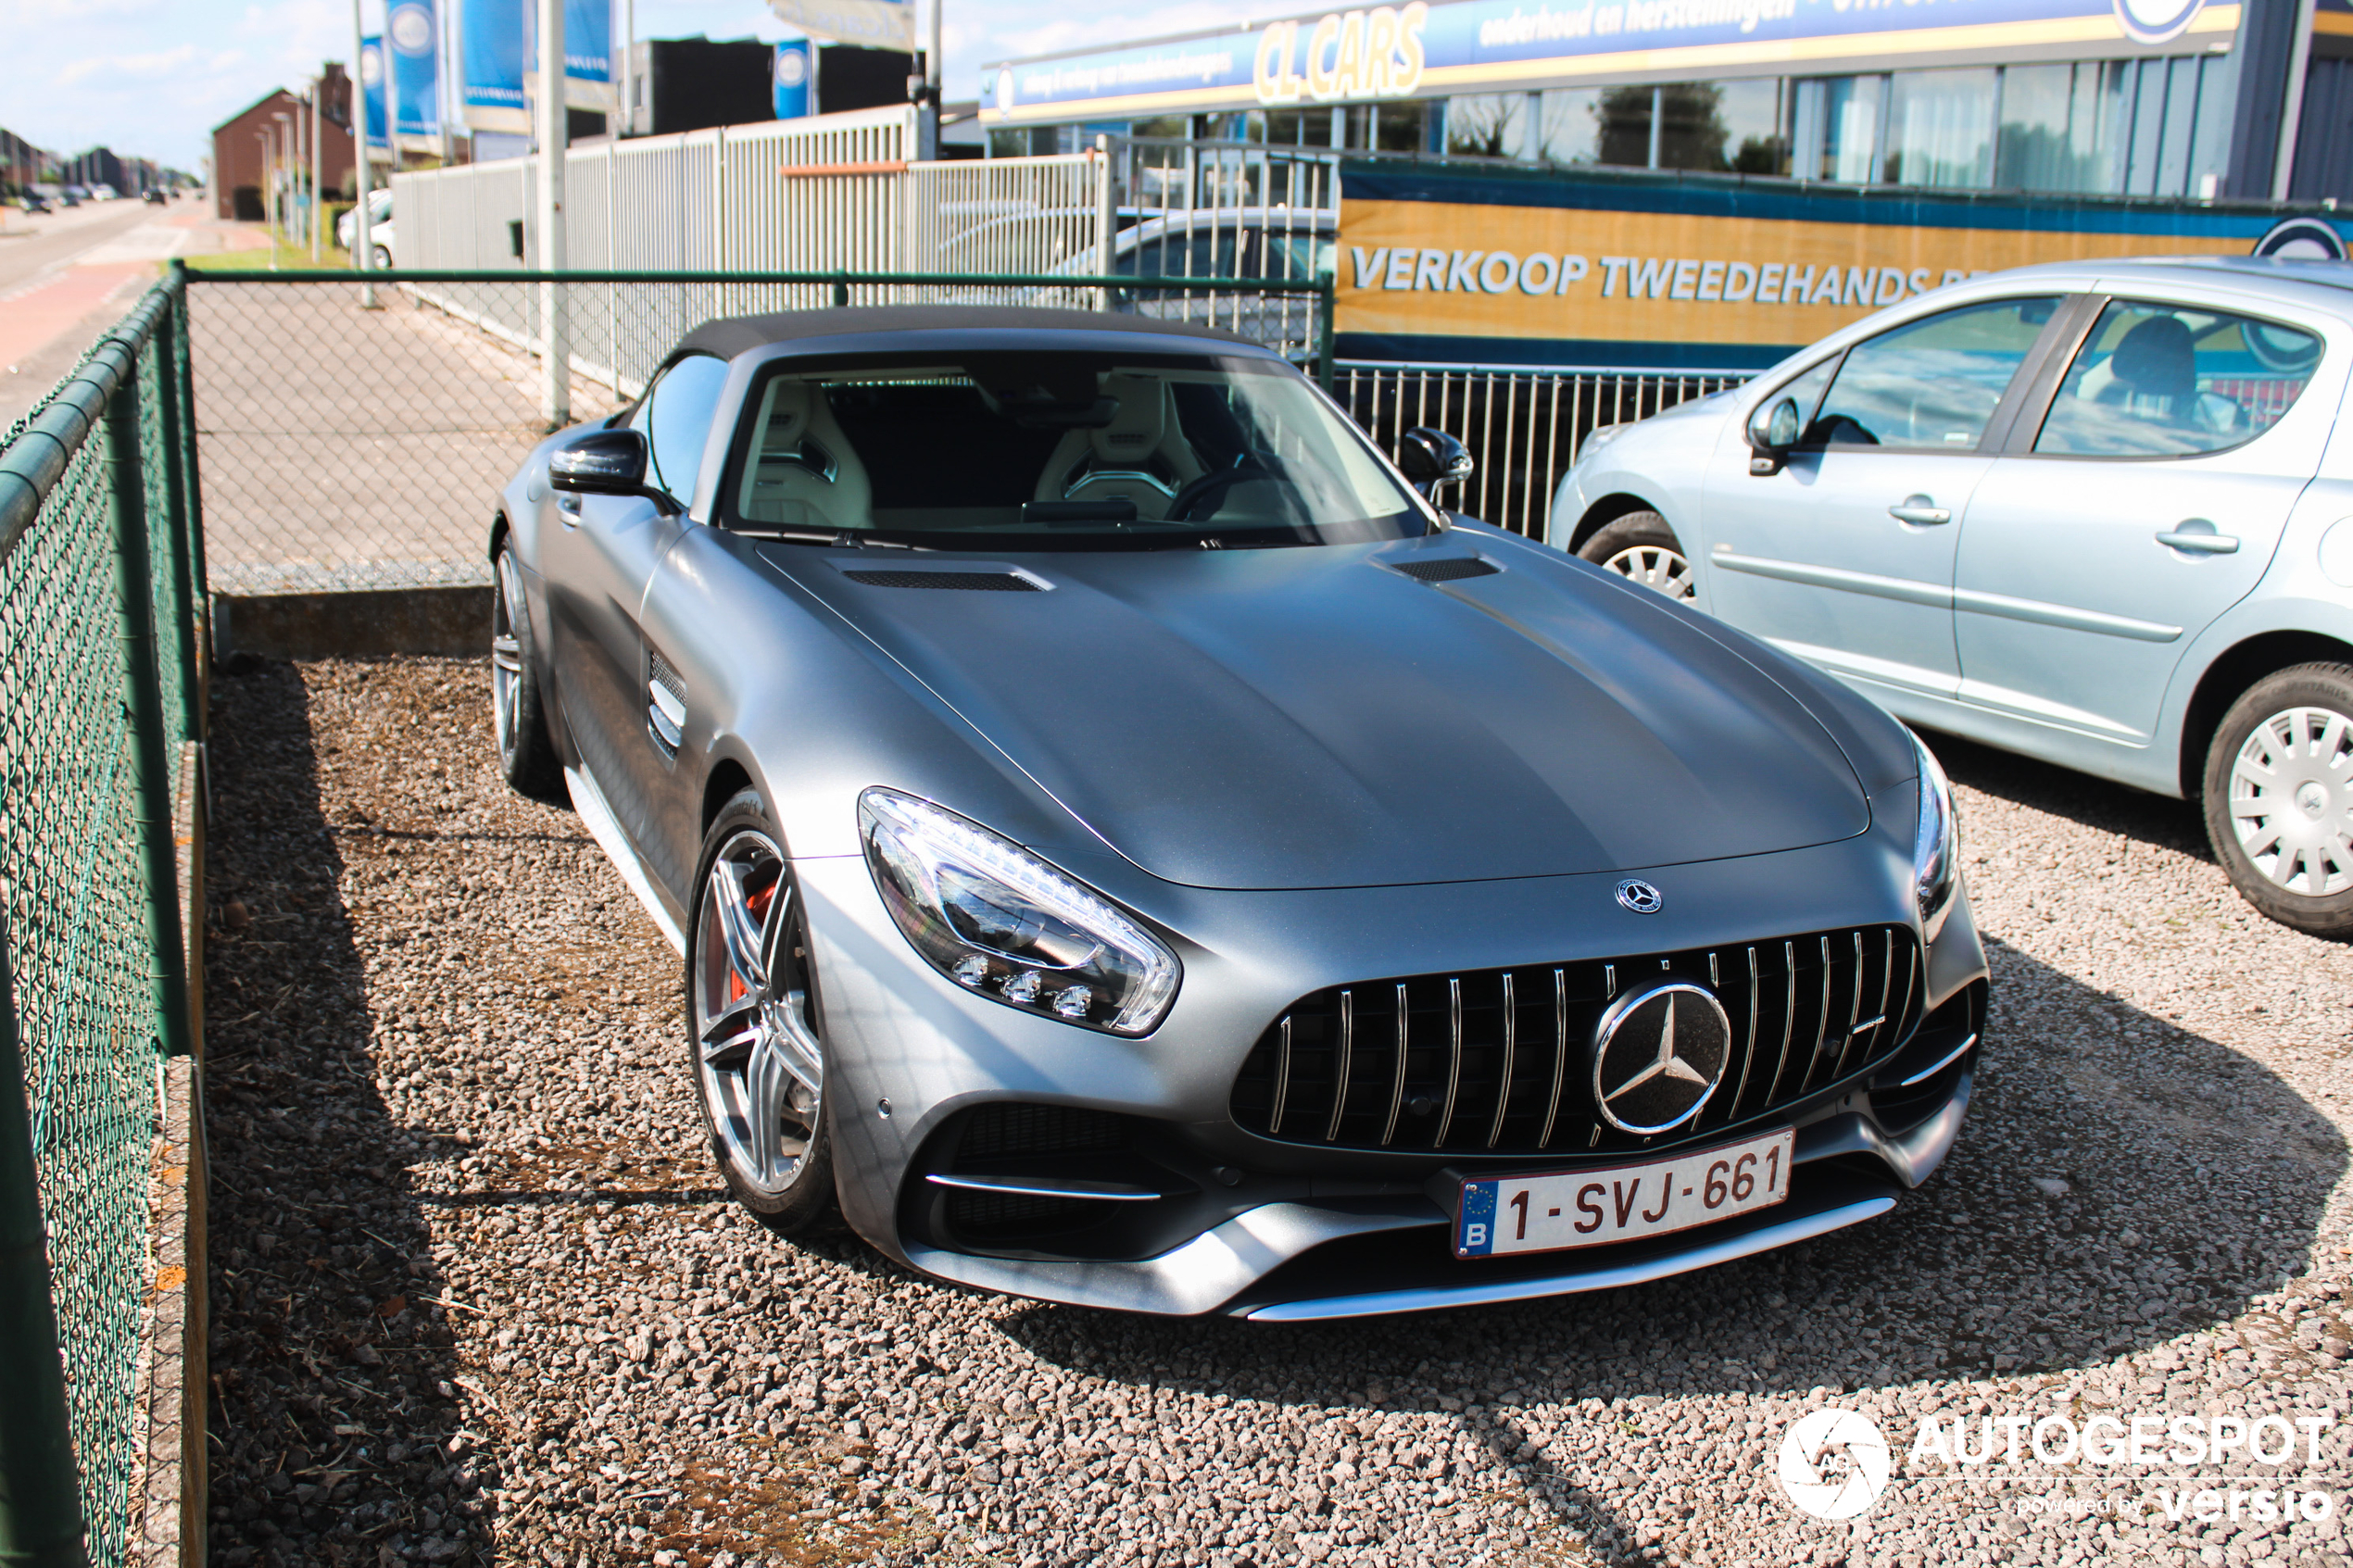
x=2097, y=512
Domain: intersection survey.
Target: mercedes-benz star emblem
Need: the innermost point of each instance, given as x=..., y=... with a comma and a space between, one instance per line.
x=1658, y=1055
x=1640, y=896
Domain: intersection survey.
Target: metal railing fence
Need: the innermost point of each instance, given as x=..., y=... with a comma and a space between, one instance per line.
x=101, y=574
x=352, y=447
x=1524, y=427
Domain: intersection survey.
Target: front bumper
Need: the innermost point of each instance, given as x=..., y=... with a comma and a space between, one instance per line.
x=1254, y=1227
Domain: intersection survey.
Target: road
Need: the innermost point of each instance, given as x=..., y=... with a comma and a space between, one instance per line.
x=65, y=277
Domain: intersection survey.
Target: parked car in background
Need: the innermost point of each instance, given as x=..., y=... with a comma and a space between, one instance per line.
x=34, y=203
x=2099, y=513
x=153, y=197
x=380, y=238
x=1130, y=849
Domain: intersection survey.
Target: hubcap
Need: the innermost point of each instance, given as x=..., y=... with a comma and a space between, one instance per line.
x=1653, y=565
x=2292, y=800
x=762, y=1065
x=506, y=655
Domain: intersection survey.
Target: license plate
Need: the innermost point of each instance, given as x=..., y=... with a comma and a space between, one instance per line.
x=1550, y=1211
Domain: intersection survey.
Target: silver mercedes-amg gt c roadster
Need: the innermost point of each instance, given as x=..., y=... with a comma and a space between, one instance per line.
x=1129, y=846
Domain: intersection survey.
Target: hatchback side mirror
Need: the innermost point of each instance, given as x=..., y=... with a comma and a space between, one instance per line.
x=608, y=462
x=1431, y=458
x=1772, y=431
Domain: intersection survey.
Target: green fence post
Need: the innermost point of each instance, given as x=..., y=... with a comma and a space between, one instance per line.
x=151, y=768
x=191, y=487
x=841, y=289
x=40, y=1491
x=1327, y=295
x=164, y=345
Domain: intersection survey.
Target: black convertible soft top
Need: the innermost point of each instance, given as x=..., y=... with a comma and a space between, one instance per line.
x=735, y=335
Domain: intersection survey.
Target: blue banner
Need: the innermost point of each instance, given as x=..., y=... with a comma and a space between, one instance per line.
x=415, y=68
x=588, y=40
x=371, y=81
x=1420, y=50
x=793, y=76
x=490, y=42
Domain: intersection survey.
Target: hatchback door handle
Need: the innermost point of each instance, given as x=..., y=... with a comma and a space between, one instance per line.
x=1921, y=510
x=2203, y=544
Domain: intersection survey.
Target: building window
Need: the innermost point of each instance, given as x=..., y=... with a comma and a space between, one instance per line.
x=1568, y=125
x=2060, y=128
x=1487, y=125
x=1940, y=128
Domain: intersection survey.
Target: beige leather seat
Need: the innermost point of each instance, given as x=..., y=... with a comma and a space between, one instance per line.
x=1141, y=456
x=807, y=475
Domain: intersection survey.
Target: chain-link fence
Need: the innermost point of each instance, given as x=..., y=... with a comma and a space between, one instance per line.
x=100, y=688
x=1523, y=427
x=357, y=445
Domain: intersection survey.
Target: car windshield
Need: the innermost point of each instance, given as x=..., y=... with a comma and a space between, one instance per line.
x=1058, y=451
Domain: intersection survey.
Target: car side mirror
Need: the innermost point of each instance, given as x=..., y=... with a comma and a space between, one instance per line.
x=1431, y=458
x=1772, y=431
x=608, y=462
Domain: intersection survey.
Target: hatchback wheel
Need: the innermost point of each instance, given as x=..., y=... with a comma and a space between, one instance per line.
x=2279, y=796
x=1642, y=546
x=758, y=1052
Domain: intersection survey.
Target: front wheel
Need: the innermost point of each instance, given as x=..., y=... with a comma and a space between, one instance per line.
x=2279, y=796
x=1641, y=546
x=518, y=715
x=752, y=1022
x=383, y=259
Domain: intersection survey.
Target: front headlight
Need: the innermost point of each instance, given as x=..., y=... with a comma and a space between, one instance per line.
x=1935, y=845
x=993, y=917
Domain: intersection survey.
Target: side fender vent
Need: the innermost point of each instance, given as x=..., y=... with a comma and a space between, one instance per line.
x=666, y=707
x=978, y=582
x=1448, y=569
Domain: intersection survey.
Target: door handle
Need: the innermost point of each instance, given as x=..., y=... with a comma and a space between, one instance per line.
x=1921, y=510
x=2202, y=544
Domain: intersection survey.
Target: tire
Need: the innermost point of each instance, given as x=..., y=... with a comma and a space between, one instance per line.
x=753, y=1034
x=383, y=259
x=518, y=715
x=2279, y=796
x=1640, y=547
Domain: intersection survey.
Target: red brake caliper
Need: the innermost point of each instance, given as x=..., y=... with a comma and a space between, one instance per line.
x=756, y=904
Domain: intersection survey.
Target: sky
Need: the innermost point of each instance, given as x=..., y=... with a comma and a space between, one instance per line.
x=151, y=78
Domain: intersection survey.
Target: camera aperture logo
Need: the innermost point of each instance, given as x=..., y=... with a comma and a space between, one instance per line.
x=1835, y=1463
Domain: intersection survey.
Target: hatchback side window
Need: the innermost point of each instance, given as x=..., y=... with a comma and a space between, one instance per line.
x=1931, y=384
x=2173, y=380
x=675, y=417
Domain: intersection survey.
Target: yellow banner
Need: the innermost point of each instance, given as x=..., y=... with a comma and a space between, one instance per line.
x=1435, y=270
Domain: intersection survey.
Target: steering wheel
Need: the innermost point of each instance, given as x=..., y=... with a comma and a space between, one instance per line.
x=1182, y=505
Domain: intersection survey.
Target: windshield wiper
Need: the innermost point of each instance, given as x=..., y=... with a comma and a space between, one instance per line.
x=840, y=538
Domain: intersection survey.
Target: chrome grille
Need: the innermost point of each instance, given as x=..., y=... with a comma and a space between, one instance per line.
x=1498, y=1060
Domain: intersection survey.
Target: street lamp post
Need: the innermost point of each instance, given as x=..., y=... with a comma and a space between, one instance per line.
x=363, y=252
x=555, y=398
x=284, y=181
x=317, y=164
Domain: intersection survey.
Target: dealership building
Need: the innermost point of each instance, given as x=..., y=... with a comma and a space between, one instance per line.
x=2193, y=99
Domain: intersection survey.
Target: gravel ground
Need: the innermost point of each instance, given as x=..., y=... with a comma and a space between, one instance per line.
x=477, y=1298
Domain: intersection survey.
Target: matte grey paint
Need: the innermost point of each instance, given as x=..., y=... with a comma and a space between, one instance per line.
x=1302, y=769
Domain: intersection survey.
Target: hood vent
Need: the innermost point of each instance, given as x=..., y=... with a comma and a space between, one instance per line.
x=1447, y=569
x=982, y=582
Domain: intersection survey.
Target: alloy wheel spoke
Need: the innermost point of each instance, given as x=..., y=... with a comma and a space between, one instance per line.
x=796, y=1044
x=731, y=1030
x=736, y=927
x=506, y=652
x=763, y=1081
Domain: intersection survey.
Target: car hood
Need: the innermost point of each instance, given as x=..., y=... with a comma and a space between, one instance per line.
x=1309, y=718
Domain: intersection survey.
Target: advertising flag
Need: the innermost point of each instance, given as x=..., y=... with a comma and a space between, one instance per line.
x=371, y=82
x=492, y=40
x=877, y=24
x=794, y=77
x=415, y=68
x=587, y=48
